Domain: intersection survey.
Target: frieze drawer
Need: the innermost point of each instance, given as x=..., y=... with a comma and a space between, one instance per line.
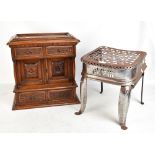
x=28, y=52
x=60, y=94
x=60, y=51
x=36, y=96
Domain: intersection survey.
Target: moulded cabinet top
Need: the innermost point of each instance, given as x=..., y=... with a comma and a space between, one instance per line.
x=42, y=38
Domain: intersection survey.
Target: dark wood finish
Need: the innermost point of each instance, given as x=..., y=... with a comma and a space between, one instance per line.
x=44, y=69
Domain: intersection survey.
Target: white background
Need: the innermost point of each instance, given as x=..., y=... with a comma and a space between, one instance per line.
x=121, y=24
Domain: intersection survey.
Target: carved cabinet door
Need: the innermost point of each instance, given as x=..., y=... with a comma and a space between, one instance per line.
x=30, y=71
x=59, y=70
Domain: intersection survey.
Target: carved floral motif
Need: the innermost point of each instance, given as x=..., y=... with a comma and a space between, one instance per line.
x=32, y=96
x=60, y=94
x=31, y=70
x=29, y=51
x=58, y=68
x=60, y=50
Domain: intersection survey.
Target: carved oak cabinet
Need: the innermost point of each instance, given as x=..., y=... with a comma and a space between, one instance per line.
x=44, y=69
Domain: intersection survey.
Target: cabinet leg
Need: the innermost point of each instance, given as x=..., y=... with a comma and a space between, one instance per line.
x=83, y=95
x=101, y=88
x=124, y=100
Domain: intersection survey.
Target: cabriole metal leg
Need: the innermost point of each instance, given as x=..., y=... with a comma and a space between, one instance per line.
x=124, y=100
x=101, y=88
x=142, y=89
x=83, y=95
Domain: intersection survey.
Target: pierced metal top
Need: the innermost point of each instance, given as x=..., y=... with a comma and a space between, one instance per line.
x=114, y=58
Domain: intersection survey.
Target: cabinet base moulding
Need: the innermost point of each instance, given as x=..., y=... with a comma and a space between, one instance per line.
x=19, y=106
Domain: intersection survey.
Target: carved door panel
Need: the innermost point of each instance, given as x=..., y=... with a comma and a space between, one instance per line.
x=59, y=70
x=31, y=72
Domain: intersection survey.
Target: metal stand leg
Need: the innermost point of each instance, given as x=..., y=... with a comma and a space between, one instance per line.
x=83, y=95
x=124, y=100
x=142, y=89
x=101, y=88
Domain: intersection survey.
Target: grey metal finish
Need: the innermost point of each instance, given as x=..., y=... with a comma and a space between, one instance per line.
x=121, y=74
x=124, y=100
x=142, y=89
x=101, y=88
x=118, y=67
x=122, y=77
x=83, y=95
